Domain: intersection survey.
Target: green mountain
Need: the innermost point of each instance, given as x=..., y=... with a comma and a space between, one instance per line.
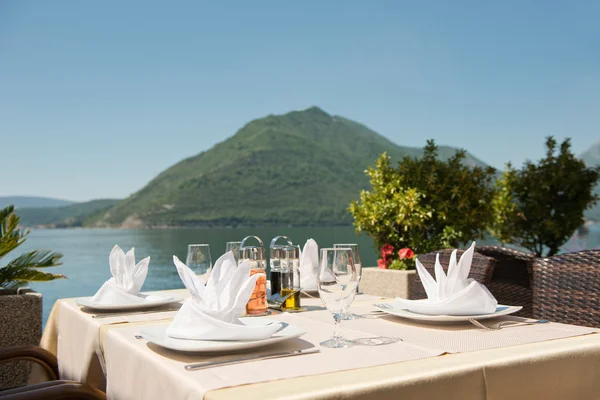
x=32, y=201
x=68, y=216
x=592, y=159
x=301, y=168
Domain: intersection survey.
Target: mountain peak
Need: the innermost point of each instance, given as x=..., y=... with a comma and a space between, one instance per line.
x=315, y=110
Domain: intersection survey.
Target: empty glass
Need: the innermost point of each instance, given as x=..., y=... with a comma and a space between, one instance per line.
x=234, y=247
x=198, y=258
x=337, y=287
x=357, y=264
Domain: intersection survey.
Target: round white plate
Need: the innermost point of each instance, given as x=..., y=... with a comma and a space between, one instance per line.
x=151, y=301
x=157, y=334
x=400, y=312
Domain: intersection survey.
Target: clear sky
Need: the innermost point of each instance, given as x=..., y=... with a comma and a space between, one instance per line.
x=96, y=98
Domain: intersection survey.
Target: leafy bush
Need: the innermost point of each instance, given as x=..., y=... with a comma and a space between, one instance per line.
x=540, y=206
x=23, y=268
x=425, y=204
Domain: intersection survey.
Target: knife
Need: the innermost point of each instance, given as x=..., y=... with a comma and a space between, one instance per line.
x=283, y=354
x=126, y=313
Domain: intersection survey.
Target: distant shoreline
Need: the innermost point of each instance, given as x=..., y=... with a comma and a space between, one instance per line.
x=183, y=227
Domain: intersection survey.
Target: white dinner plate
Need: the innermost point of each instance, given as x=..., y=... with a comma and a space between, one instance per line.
x=157, y=334
x=398, y=311
x=150, y=302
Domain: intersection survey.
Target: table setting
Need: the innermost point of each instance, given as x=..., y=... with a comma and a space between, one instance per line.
x=231, y=326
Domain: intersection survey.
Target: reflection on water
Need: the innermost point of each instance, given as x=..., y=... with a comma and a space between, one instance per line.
x=86, y=252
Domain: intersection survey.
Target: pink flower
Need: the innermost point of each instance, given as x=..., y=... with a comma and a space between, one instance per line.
x=381, y=263
x=406, y=253
x=387, y=250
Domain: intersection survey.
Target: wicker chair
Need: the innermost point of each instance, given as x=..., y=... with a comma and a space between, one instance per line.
x=511, y=281
x=566, y=288
x=482, y=269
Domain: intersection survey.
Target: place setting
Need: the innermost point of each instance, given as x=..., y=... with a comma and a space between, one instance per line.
x=121, y=293
x=209, y=321
x=454, y=298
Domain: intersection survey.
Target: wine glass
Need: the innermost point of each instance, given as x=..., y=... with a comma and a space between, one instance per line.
x=198, y=258
x=357, y=263
x=337, y=287
x=233, y=247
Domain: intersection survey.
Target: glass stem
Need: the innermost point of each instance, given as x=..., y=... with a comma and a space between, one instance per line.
x=337, y=326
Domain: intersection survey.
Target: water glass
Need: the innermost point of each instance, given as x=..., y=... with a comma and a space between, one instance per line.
x=233, y=247
x=357, y=263
x=198, y=258
x=337, y=287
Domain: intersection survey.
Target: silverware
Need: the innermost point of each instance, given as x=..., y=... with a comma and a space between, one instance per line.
x=118, y=314
x=500, y=325
x=373, y=314
x=139, y=337
x=209, y=364
x=386, y=306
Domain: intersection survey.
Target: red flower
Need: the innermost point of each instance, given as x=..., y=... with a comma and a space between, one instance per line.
x=381, y=263
x=406, y=253
x=387, y=250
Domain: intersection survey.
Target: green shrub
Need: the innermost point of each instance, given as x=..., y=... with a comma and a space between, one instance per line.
x=540, y=206
x=425, y=204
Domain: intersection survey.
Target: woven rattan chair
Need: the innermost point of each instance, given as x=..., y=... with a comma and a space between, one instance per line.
x=566, y=288
x=511, y=281
x=482, y=269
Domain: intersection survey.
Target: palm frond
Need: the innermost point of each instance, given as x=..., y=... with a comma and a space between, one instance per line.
x=23, y=268
x=10, y=236
x=37, y=259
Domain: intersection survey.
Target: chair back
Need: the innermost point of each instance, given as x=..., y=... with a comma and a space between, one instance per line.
x=566, y=288
x=512, y=277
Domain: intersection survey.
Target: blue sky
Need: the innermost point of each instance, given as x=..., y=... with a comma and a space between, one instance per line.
x=96, y=98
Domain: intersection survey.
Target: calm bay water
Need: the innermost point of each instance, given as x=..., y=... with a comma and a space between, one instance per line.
x=85, y=251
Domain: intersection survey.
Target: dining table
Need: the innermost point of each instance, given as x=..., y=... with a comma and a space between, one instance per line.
x=424, y=360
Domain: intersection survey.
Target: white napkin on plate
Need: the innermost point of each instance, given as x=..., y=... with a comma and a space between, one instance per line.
x=309, y=265
x=213, y=310
x=452, y=294
x=126, y=282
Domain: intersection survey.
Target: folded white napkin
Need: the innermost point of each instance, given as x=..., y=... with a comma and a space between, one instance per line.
x=213, y=310
x=452, y=294
x=309, y=265
x=126, y=282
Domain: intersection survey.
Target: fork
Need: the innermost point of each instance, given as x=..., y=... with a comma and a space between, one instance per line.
x=500, y=325
x=387, y=306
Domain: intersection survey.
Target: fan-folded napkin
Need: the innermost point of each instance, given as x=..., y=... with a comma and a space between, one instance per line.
x=454, y=293
x=213, y=310
x=126, y=282
x=309, y=265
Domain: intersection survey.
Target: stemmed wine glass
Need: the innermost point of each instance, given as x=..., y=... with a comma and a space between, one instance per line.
x=357, y=264
x=234, y=247
x=198, y=258
x=337, y=287
x=356, y=256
